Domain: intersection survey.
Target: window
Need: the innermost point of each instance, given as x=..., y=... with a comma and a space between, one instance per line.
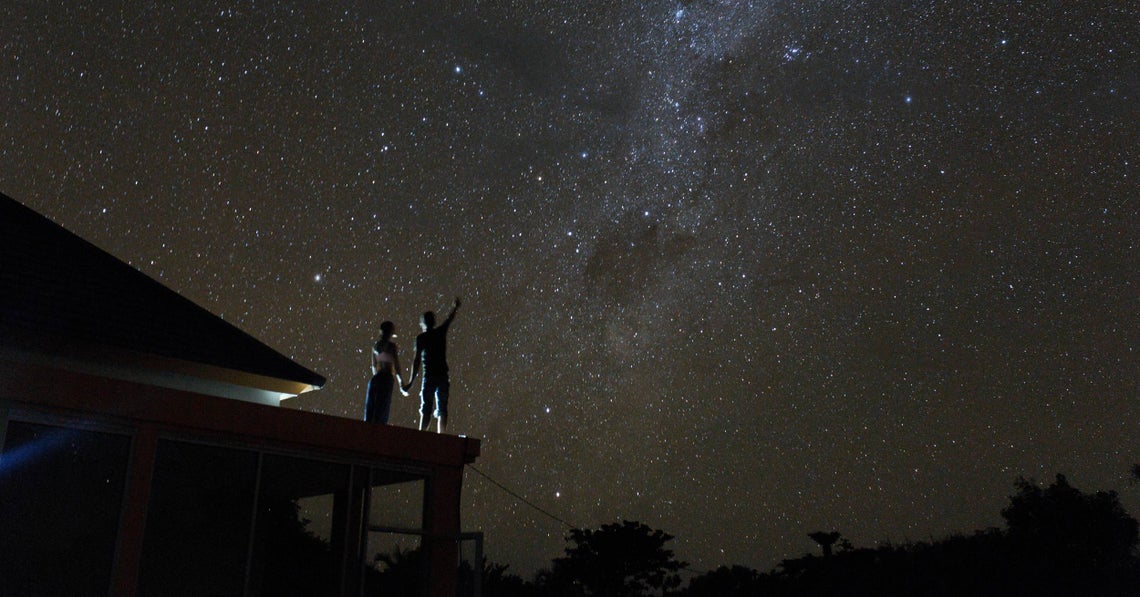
x=198, y=521
x=61, y=494
x=292, y=542
x=395, y=535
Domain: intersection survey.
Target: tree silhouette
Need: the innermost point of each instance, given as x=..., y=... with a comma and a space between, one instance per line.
x=497, y=582
x=1069, y=537
x=737, y=581
x=825, y=540
x=618, y=560
x=290, y=560
x=399, y=574
x=1059, y=542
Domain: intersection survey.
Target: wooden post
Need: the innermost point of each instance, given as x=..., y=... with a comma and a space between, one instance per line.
x=132, y=522
x=441, y=530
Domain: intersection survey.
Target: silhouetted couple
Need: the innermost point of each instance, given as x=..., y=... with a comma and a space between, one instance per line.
x=431, y=356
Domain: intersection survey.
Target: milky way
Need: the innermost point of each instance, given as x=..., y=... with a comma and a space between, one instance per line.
x=740, y=271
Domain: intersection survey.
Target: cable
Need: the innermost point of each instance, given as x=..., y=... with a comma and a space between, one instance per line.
x=519, y=497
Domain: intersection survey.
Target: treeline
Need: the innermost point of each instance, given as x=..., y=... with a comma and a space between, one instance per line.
x=1057, y=541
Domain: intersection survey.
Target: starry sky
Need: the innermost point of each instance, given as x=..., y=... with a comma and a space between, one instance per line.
x=738, y=270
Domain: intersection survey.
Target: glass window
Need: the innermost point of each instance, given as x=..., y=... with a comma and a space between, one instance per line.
x=198, y=521
x=397, y=500
x=61, y=494
x=292, y=549
x=395, y=539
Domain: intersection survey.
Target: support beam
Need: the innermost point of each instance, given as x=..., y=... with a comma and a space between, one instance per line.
x=132, y=522
x=441, y=528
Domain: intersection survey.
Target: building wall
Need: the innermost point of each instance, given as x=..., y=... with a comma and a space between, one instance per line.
x=135, y=490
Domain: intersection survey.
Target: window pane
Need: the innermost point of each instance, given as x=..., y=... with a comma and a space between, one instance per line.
x=198, y=521
x=292, y=553
x=397, y=500
x=395, y=516
x=61, y=493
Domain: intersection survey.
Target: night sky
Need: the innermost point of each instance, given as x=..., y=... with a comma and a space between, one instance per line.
x=738, y=270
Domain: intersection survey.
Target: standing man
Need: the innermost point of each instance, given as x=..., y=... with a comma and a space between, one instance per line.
x=431, y=354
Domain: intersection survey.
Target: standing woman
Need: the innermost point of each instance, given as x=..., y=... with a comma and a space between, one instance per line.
x=385, y=373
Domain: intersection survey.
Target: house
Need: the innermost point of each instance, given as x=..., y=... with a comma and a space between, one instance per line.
x=145, y=451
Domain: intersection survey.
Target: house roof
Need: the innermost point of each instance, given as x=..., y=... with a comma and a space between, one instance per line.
x=61, y=295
